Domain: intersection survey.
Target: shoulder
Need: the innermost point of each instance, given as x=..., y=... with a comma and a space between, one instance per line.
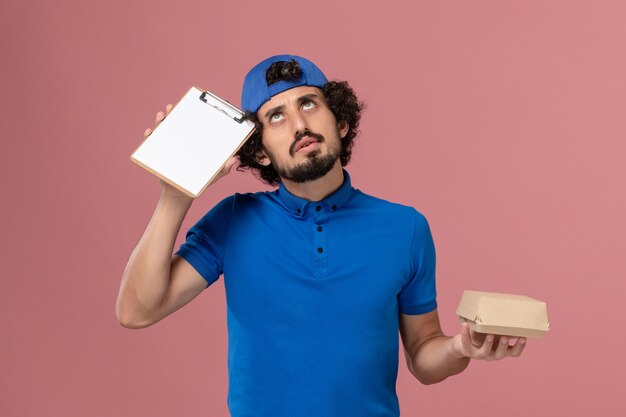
x=250, y=203
x=230, y=207
x=242, y=200
x=245, y=198
x=228, y=204
x=387, y=207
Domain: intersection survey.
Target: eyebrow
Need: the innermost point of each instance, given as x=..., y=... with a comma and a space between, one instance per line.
x=300, y=100
x=307, y=97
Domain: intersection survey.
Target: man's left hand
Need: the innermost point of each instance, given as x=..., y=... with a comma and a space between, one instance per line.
x=471, y=344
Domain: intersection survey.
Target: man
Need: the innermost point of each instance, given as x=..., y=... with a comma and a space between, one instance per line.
x=319, y=276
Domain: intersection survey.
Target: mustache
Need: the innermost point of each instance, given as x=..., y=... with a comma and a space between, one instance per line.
x=320, y=138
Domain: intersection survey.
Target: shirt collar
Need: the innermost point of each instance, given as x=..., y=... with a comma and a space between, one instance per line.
x=334, y=201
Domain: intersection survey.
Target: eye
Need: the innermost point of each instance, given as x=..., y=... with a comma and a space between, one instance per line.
x=308, y=104
x=275, y=117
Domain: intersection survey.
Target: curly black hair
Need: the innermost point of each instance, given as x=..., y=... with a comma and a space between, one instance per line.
x=341, y=100
x=283, y=70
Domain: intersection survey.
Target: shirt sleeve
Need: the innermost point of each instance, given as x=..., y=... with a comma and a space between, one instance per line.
x=206, y=241
x=418, y=294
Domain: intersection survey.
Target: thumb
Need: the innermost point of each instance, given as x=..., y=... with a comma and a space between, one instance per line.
x=466, y=341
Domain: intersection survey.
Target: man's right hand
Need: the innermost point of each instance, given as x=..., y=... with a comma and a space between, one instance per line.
x=166, y=189
x=156, y=283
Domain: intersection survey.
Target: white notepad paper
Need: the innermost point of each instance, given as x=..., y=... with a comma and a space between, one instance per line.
x=194, y=141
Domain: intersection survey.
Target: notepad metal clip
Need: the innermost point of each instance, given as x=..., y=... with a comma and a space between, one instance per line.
x=223, y=106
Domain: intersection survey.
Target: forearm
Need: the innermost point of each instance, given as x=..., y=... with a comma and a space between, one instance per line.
x=147, y=274
x=437, y=359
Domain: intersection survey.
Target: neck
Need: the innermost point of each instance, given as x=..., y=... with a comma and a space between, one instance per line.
x=320, y=188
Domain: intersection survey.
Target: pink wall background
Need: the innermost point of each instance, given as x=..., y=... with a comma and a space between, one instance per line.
x=502, y=121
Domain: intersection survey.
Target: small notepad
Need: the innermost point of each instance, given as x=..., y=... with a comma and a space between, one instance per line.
x=191, y=145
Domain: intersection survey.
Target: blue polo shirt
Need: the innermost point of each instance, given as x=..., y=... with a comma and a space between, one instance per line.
x=313, y=292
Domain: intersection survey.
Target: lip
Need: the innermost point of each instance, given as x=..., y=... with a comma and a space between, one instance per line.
x=304, y=142
x=309, y=148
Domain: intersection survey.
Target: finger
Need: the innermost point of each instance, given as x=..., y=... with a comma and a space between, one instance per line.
x=518, y=348
x=159, y=116
x=496, y=342
x=477, y=338
x=226, y=168
x=168, y=108
x=147, y=132
x=466, y=341
x=228, y=165
x=502, y=348
x=485, y=349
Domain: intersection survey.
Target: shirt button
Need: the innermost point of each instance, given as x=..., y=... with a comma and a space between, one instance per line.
x=318, y=208
x=320, y=250
x=333, y=208
x=320, y=228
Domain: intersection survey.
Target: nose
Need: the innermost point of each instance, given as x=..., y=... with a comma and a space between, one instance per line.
x=298, y=122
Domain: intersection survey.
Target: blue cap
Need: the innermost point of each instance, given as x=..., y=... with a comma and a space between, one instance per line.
x=256, y=92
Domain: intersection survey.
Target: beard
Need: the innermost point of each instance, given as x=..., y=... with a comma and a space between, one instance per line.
x=316, y=165
x=313, y=168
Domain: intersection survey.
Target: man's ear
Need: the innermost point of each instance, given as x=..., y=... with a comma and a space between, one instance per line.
x=261, y=158
x=342, y=128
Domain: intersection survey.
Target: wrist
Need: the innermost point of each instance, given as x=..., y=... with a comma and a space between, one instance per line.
x=174, y=196
x=174, y=203
x=455, y=348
